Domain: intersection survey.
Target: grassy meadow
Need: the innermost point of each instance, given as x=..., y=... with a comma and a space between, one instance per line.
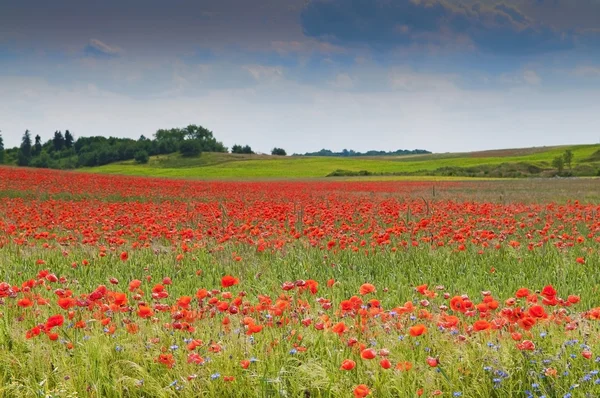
x=297, y=289
x=231, y=166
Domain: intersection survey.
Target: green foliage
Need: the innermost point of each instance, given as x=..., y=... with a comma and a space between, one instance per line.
x=25, y=149
x=37, y=147
x=568, y=157
x=58, y=141
x=69, y=140
x=278, y=152
x=351, y=152
x=246, y=149
x=189, y=148
x=529, y=162
x=558, y=163
x=141, y=157
x=42, y=161
x=1, y=149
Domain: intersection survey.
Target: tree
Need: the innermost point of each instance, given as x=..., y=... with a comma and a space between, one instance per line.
x=559, y=164
x=1, y=149
x=58, y=141
x=141, y=157
x=242, y=149
x=189, y=148
x=37, y=147
x=24, y=155
x=69, y=140
x=43, y=161
x=278, y=152
x=568, y=158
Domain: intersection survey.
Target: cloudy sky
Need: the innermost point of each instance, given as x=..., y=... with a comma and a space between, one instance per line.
x=440, y=75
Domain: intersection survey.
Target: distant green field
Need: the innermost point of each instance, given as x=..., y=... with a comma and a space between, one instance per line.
x=223, y=165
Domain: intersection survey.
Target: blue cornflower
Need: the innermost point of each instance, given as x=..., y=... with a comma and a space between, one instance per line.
x=215, y=376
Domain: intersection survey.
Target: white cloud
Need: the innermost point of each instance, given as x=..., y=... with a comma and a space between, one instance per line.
x=104, y=48
x=262, y=73
x=342, y=81
x=586, y=71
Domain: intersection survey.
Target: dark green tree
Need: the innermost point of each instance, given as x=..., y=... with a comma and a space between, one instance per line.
x=559, y=164
x=37, y=147
x=69, y=139
x=278, y=151
x=58, y=141
x=247, y=149
x=189, y=148
x=24, y=155
x=1, y=149
x=141, y=157
x=568, y=158
x=236, y=149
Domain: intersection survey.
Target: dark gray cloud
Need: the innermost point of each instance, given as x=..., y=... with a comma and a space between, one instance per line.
x=497, y=28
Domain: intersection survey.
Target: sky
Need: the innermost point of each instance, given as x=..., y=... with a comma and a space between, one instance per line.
x=441, y=75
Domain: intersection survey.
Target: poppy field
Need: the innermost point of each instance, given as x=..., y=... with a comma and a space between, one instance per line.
x=115, y=286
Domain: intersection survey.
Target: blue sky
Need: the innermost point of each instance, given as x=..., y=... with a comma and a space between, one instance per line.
x=304, y=75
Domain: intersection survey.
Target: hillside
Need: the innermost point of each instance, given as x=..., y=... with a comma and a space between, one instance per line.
x=523, y=162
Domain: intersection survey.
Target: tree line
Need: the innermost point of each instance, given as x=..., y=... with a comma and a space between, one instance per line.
x=63, y=151
x=350, y=153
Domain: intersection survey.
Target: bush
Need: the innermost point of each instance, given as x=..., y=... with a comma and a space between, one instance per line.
x=190, y=148
x=141, y=157
x=278, y=152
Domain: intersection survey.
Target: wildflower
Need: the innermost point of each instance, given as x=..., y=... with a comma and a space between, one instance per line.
x=361, y=391
x=366, y=288
x=348, y=364
x=417, y=330
x=228, y=281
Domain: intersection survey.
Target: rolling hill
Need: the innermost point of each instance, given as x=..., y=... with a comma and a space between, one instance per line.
x=521, y=162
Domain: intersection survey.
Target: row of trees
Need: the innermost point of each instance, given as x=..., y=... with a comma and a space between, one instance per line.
x=63, y=151
x=351, y=152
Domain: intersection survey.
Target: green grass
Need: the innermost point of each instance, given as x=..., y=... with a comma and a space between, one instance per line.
x=475, y=364
x=216, y=165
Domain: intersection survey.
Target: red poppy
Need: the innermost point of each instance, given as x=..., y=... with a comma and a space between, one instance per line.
x=348, y=364
x=417, y=330
x=228, y=281
x=366, y=288
x=361, y=391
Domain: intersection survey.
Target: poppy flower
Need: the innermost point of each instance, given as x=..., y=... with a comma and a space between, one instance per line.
x=481, y=325
x=55, y=320
x=228, y=281
x=385, y=363
x=348, y=364
x=404, y=366
x=24, y=303
x=145, y=312
x=417, y=330
x=548, y=291
x=368, y=353
x=366, y=288
x=526, y=345
x=124, y=256
x=361, y=391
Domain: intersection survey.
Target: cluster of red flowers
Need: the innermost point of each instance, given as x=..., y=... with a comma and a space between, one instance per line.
x=109, y=212
x=457, y=317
